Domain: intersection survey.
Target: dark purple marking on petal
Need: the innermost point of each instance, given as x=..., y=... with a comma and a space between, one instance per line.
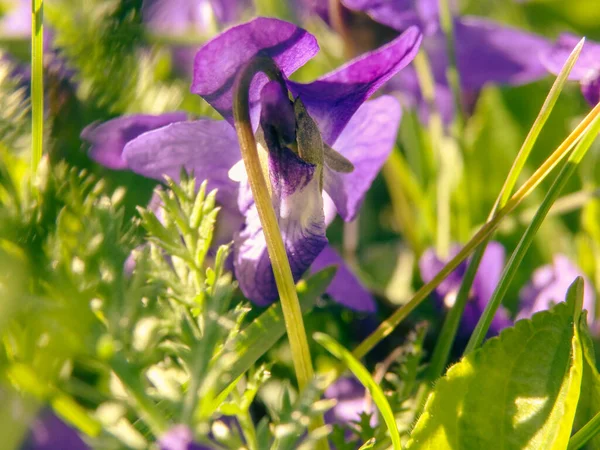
x=366, y=142
x=333, y=99
x=207, y=147
x=108, y=139
x=299, y=208
x=219, y=61
x=345, y=288
x=277, y=112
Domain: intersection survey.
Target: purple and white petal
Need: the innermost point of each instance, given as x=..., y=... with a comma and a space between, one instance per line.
x=333, y=99
x=350, y=396
x=219, y=61
x=48, y=432
x=108, y=139
x=345, y=288
x=367, y=141
x=208, y=148
x=178, y=17
x=298, y=204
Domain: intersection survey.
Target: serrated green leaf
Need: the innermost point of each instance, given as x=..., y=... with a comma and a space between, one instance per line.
x=518, y=391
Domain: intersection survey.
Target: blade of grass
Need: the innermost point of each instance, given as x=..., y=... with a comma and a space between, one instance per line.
x=526, y=240
x=387, y=326
x=443, y=346
x=37, y=82
x=587, y=432
x=363, y=375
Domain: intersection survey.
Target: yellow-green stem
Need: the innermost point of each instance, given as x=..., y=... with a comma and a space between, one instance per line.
x=37, y=82
x=284, y=280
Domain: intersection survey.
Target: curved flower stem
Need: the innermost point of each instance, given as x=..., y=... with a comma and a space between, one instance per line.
x=442, y=349
x=284, y=280
x=37, y=83
x=386, y=328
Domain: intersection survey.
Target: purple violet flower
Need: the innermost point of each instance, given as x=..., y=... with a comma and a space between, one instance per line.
x=487, y=52
x=549, y=285
x=48, y=432
x=180, y=437
x=484, y=284
x=329, y=113
x=586, y=69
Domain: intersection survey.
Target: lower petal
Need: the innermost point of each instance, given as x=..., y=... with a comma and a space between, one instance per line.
x=345, y=288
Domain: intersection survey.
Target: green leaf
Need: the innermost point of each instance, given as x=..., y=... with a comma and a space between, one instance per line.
x=363, y=375
x=518, y=391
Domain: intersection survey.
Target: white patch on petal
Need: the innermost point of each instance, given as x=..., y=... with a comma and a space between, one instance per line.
x=237, y=172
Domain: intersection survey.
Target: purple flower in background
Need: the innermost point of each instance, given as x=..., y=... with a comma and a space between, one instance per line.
x=48, y=432
x=181, y=18
x=180, y=437
x=296, y=138
x=484, y=284
x=487, y=52
x=549, y=285
x=350, y=396
x=586, y=69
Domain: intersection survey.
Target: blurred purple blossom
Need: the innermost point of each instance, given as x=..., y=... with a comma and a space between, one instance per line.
x=487, y=52
x=48, y=432
x=350, y=396
x=180, y=437
x=484, y=284
x=586, y=69
x=549, y=285
x=182, y=18
x=362, y=133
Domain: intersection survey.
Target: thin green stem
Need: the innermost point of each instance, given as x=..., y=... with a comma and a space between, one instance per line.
x=37, y=82
x=248, y=429
x=587, y=432
x=447, y=25
x=485, y=232
x=447, y=335
x=284, y=280
x=527, y=239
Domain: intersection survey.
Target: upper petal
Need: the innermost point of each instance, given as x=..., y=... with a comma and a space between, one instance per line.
x=345, y=288
x=207, y=147
x=489, y=52
x=219, y=61
x=367, y=142
x=299, y=208
x=108, y=139
x=333, y=99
